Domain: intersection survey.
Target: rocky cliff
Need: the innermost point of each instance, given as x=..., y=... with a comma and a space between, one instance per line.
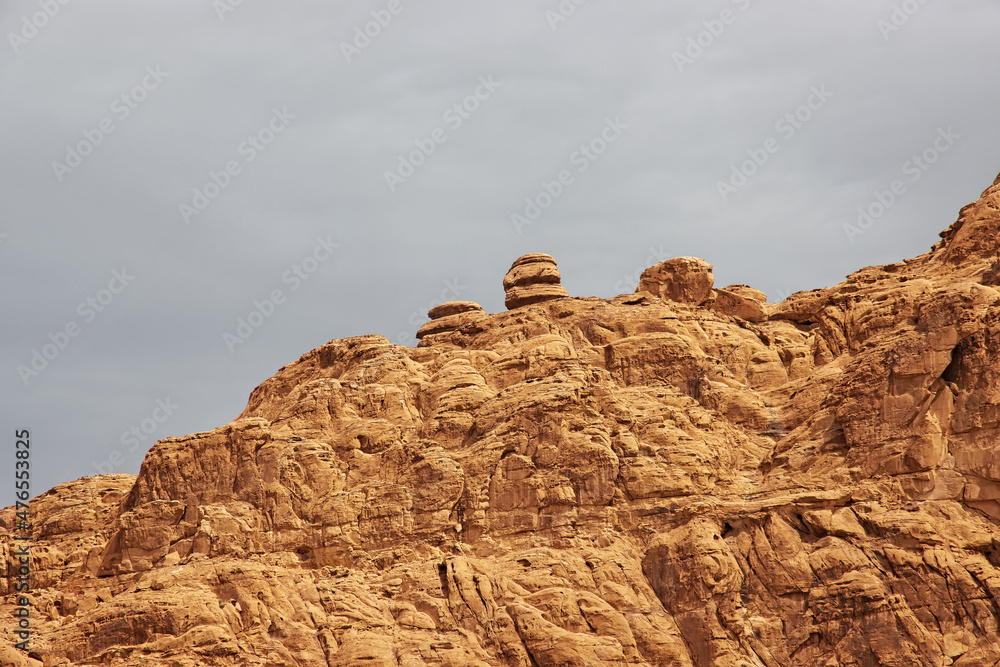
x=684, y=476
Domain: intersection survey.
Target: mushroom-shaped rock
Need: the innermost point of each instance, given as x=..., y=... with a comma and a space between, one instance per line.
x=449, y=316
x=453, y=308
x=682, y=279
x=532, y=278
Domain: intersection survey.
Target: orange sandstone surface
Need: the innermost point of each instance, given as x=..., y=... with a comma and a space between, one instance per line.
x=686, y=476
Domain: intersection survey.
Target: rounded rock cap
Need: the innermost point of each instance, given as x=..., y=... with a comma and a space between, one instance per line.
x=533, y=257
x=450, y=316
x=452, y=308
x=532, y=278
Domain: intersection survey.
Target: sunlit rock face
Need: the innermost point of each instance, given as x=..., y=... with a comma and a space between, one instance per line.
x=685, y=476
x=532, y=278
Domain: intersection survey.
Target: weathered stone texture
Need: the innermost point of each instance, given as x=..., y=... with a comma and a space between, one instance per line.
x=682, y=476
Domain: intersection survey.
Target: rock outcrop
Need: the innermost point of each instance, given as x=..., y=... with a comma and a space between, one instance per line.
x=668, y=477
x=681, y=279
x=740, y=301
x=450, y=316
x=690, y=280
x=532, y=278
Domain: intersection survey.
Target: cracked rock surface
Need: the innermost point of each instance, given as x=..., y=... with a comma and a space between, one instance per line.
x=682, y=476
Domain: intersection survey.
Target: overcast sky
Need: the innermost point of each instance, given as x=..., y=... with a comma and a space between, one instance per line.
x=167, y=167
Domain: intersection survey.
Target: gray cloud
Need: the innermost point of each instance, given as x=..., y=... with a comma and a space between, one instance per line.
x=653, y=190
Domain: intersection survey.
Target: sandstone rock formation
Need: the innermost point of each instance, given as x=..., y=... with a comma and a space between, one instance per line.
x=681, y=279
x=740, y=301
x=690, y=280
x=450, y=316
x=532, y=278
x=640, y=480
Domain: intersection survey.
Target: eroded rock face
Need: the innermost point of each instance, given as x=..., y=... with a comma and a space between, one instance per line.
x=740, y=301
x=532, y=278
x=681, y=279
x=450, y=316
x=631, y=481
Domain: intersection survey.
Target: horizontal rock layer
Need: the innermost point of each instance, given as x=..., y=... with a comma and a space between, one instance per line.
x=532, y=278
x=450, y=316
